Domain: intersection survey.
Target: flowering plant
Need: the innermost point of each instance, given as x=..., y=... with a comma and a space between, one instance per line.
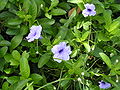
x=59, y=45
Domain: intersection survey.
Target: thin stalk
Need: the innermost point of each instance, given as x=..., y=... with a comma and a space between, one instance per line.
x=60, y=78
x=54, y=82
x=28, y=86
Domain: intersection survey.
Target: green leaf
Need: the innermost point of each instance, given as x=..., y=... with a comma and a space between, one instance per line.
x=46, y=21
x=5, y=43
x=9, y=58
x=12, y=31
x=86, y=25
x=62, y=32
x=87, y=46
x=106, y=59
x=33, y=10
x=14, y=21
x=81, y=61
x=3, y=51
x=114, y=26
x=44, y=59
x=19, y=85
x=3, y=4
x=13, y=79
x=70, y=18
x=5, y=86
x=85, y=35
x=57, y=12
x=2, y=63
x=64, y=5
x=36, y=78
x=57, y=40
x=75, y=1
x=23, y=30
x=16, y=55
x=54, y=3
x=107, y=17
x=24, y=66
x=16, y=40
x=26, y=5
x=103, y=37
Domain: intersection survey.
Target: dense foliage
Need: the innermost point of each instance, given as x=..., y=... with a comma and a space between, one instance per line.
x=93, y=41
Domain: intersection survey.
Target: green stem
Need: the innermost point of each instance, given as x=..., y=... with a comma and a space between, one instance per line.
x=28, y=86
x=55, y=82
x=60, y=78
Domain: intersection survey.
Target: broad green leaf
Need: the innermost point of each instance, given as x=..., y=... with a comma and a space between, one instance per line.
x=114, y=26
x=57, y=40
x=16, y=40
x=48, y=15
x=26, y=5
x=12, y=31
x=33, y=10
x=19, y=85
x=36, y=78
x=9, y=58
x=86, y=25
x=54, y=3
x=116, y=32
x=70, y=18
x=24, y=65
x=23, y=30
x=117, y=66
x=44, y=59
x=57, y=12
x=3, y=4
x=106, y=59
x=3, y=51
x=81, y=61
x=107, y=17
x=46, y=21
x=64, y=5
x=85, y=35
x=62, y=32
x=87, y=46
x=16, y=54
x=5, y=43
x=5, y=86
x=13, y=79
x=2, y=63
x=1, y=37
x=14, y=21
x=75, y=1
x=96, y=51
x=68, y=64
x=103, y=37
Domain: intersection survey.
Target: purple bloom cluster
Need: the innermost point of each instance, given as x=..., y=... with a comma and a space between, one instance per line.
x=61, y=52
x=89, y=10
x=35, y=33
x=104, y=85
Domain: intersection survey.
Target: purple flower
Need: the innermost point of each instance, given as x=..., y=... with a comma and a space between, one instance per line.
x=89, y=10
x=35, y=33
x=104, y=85
x=61, y=52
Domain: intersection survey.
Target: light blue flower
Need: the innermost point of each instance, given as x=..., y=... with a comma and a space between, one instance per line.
x=61, y=52
x=35, y=33
x=104, y=85
x=89, y=10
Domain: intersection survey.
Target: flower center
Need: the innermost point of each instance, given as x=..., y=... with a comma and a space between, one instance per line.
x=34, y=34
x=103, y=82
x=89, y=10
x=60, y=50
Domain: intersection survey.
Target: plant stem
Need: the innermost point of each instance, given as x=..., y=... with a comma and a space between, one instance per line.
x=54, y=82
